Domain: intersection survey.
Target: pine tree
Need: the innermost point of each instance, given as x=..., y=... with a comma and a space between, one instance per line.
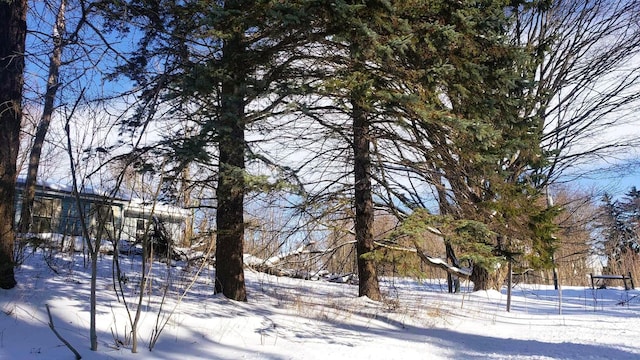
x=364, y=29
x=222, y=67
x=474, y=145
x=364, y=39
x=631, y=207
x=433, y=95
x=619, y=226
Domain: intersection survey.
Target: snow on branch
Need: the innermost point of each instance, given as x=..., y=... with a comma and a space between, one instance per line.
x=429, y=260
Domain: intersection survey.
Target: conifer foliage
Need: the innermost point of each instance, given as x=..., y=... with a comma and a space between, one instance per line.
x=620, y=226
x=433, y=91
x=426, y=96
x=219, y=67
x=464, y=133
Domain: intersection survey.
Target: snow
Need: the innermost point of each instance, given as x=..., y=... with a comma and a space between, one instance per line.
x=73, y=243
x=53, y=185
x=299, y=319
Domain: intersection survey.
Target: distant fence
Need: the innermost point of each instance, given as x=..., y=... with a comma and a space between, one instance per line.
x=624, y=279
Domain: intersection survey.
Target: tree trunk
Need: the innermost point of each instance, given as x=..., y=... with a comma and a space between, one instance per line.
x=480, y=278
x=483, y=279
x=367, y=277
x=231, y=171
x=13, y=30
x=43, y=126
x=229, y=215
x=453, y=282
x=186, y=198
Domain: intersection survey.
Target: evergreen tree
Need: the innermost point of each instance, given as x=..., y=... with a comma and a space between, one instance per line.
x=366, y=31
x=471, y=142
x=619, y=226
x=436, y=92
x=631, y=207
x=433, y=90
x=356, y=87
x=222, y=67
x=370, y=43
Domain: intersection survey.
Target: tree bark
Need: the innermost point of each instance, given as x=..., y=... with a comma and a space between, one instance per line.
x=43, y=126
x=13, y=30
x=484, y=279
x=367, y=276
x=186, y=198
x=480, y=278
x=231, y=171
x=453, y=282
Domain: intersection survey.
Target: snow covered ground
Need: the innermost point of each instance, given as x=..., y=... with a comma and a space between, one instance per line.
x=297, y=319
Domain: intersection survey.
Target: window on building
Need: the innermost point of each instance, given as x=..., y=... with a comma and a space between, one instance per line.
x=102, y=221
x=46, y=213
x=140, y=229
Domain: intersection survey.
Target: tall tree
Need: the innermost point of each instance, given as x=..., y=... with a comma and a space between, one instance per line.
x=463, y=136
x=231, y=163
x=439, y=73
x=586, y=81
x=55, y=62
x=579, y=80
x=13, y=30
x=363, y=42
x=631, y=207
x=618, y=223
x=222, y=66
x=358, y=96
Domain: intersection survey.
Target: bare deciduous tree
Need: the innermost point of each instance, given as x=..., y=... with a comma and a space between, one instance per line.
x=587, y=84
x=55, y=62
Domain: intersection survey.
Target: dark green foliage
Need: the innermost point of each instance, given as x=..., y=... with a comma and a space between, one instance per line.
x=474, y=240
x=543, y=238
x=476, y=243
x=432, y=83
x=619, y=225
x=465, y=122
x=363, y=33
x=434, y=91
x=630, y=206
x=205, y=70
x=530, y=244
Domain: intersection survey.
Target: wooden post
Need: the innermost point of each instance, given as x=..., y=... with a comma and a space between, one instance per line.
x=509, y=280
